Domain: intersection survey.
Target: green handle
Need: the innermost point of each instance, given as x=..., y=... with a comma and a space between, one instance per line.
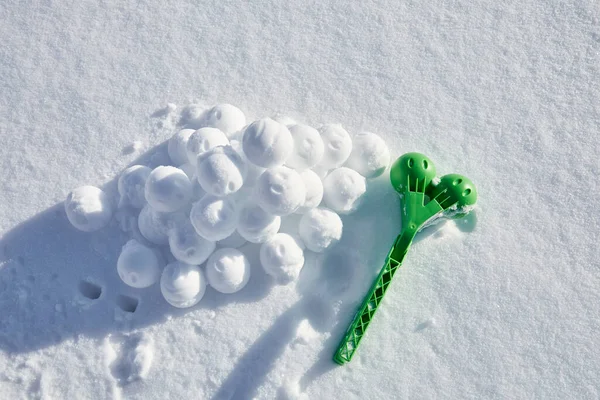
x=366, y=312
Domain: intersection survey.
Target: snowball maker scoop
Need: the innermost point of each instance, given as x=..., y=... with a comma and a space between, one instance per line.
x=422, y=202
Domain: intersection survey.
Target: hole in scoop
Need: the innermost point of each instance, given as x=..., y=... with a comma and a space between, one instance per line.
x=126, y=303
x=467, y=192
x=457, y=182
x=425, y=164
x=90, y=290
x=411, y=162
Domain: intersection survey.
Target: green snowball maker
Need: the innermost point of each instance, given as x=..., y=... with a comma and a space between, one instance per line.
x=423, y=200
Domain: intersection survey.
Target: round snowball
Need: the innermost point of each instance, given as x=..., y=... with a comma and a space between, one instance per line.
x=189, y=247
x=88, y=208
x=214, y=218
x=168, y=189
x=155, y=225
x=267, y=143
x=225, y=117
x=255, y=224
x=280, y=191
x=370, y=155
x=308, y=147
x=228, y=270
x=182, y=285
x=320, y=228
x=343, y=190
x=177, y=146
x=314, y=191
x=221, y=171
x=282, y=257
x=190, y=171
x=337, y=145
x=202, y=141
x=139, y=266
x=234, y=240
x=131, y=185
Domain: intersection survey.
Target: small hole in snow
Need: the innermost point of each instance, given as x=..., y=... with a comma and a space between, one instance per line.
x=126, y=303
x=90, y=290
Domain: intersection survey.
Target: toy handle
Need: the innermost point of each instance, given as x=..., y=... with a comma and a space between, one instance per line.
x=367, y=310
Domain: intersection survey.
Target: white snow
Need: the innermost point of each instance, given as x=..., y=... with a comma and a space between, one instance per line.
x=282, y=258
x=370, y=155
x=267, y=143
x=88, y=208
x=221, y=171
x=500, y=305
x=214, y=218
x=280, y=190
x=343, y=190
x=187, y=246
x=337, y=146
x=227, y=118
x=234, y=240
x=203, y=140
x=155, y=225
x=255, y=224
x=308, y=147
x=314, y=191
x=228, y=270
x=131, y=186
x=139, y=266
x=168, y=189
x=320, y=228
x=182, y=285
x=177, y=146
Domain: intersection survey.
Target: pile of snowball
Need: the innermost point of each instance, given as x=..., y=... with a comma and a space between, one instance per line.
x=229, y=184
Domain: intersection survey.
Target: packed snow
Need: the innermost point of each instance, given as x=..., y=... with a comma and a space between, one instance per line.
x=499, y=304
x=228, y=270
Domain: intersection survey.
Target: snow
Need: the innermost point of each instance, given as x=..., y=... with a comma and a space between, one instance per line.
x=255, y=224
x=182, y=285
x=131, y=185
x=221, y=171
x=280, y=190
x=314, y=191
x=214, y=218
x=187, y=246
x=139, y=266
x=370, y=155
x=282, y=258
x=337, y=146
x=502, y=304
x=343, y=190
x=308, y=147
x=228, y=270
x=320, y=228
x=267, y=143
x=203, y=140
x=168, y=189
x=88, y=208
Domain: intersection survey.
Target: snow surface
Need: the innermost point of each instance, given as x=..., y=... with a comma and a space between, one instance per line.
x=503, y=304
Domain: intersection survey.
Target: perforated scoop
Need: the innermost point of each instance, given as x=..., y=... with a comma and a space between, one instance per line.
x=423, y=200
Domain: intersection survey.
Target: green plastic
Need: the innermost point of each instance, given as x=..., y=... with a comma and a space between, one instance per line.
x=422, y=201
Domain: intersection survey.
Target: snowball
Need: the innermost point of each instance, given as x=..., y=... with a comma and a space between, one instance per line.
x=343, y=190
x=252, y=171
x=189, y=247
x=308, y=147
x=139, y=266
x=314, y=191
x=88, y=208
x=320, y=228
x=225, y=117
x=182, y=285
x=267, y=143
x=282, y=257
x=202, y=141
x=131, y=185
x=234, y=240
x=255, y=224
x=370, y=155
x=155, y=225
x=228, y=270
x=214, y=218
x=168, y=189
x=220, y=171
x=190, y=171
x=337, y=144
x=280, y=191
x=177, y=146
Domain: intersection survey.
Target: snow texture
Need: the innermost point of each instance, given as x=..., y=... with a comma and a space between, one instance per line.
x=500, y=305
x=228, y=270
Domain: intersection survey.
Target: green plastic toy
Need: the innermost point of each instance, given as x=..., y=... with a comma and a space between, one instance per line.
x=423, y=201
